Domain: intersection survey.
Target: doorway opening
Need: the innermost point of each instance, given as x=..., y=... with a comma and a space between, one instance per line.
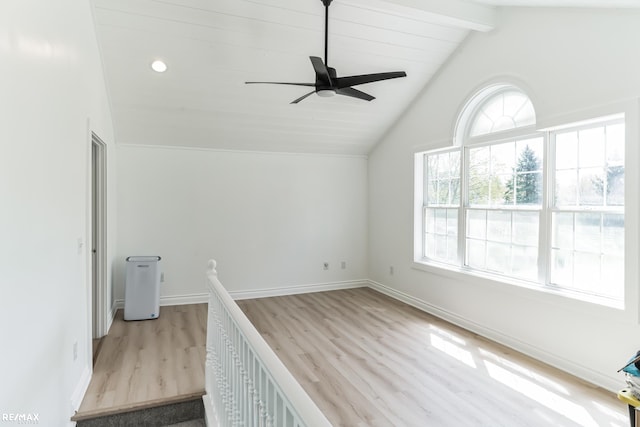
x=99, y=303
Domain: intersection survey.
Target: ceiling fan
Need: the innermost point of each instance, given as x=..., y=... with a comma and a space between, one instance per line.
x=327, y=81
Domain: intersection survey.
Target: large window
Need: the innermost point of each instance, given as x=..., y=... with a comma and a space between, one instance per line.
x=587, y=214
x=545, y=208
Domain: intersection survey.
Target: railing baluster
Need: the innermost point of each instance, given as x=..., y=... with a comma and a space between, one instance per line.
x=246, y=383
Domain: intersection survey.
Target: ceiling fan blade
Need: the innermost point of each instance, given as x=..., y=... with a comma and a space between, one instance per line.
x=354, y=93
x=282, y=83
x=302, y=97
x=322, y=73
x=342, y=82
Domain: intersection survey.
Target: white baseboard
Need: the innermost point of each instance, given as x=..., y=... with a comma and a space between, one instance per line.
x=112, y=315
x=298, y=289
x=172, y=300
x=184, y=299
x=81, y=389
x=583, y=372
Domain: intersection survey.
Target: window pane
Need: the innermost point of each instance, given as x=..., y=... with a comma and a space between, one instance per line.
x=475, y=253
x=452, y=222
x=454, y=163
x=441, y=234
x=591, y=148
x=441, y=221
x=429, y=221
x=529, y=188
x=498, y=257
x=432, y=192
x=476, y=224
x=455, y=191
x=479, y=161
x=566, y=150
x=566, y=188
x=562, y=267
x=615, y=144
x=525, y=186
x=525, y=228
x=442, y=185
x=479, y=190
x=504, y=110
x=526, y=115
x=429, y=245
x=562, y=236
x=525, y=262
x=586, y=271
x=443, y=165
x=615, y=186
x=613, y=234
x=503, y=158
x=531, y=151
x=587, y=235
x=591, y=191
x=499, y=226
x=432, y=167
x=481, y=125
x=452, y=248
x=441, y=247
x=443, y=192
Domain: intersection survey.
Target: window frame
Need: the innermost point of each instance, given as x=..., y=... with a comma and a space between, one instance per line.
x=598, y=116
x=578, y=209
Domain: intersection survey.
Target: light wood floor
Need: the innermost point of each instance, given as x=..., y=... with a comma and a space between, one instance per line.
x=369, y=360
x=149, y=363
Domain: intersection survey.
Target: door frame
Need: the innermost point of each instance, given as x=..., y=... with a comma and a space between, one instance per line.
x=98, y=247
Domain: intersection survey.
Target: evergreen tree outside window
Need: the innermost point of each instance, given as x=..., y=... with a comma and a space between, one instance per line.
x=525, y=186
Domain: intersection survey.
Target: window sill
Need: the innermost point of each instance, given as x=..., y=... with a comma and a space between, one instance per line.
x=520, y=287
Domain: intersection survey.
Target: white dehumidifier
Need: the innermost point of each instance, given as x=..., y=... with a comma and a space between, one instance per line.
x=142, y=288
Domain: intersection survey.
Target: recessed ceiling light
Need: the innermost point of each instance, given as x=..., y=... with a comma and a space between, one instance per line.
x=159, y=66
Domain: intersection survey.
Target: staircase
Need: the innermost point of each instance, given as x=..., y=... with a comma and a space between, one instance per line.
x=189, y=413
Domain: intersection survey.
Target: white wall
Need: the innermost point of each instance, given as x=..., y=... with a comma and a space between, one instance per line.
x=568, y=61
x=52, y=95
x=270, y=220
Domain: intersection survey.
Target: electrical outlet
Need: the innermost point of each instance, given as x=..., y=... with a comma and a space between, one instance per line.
x=343, y=265
x=391, y=270
x=162, y=276
x=326, y=266
x=75, y=350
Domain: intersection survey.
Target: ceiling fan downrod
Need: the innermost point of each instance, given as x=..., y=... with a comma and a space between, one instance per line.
x=326, y=29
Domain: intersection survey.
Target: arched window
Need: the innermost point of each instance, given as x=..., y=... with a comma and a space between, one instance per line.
x=509, y=108
x=486, y=209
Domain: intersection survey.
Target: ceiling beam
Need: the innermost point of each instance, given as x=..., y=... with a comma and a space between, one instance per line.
x=455, y=13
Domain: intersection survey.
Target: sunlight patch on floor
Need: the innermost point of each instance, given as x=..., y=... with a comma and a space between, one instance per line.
x=453, y=350
x=620, y=420
x=546, y=381
x=546, y=397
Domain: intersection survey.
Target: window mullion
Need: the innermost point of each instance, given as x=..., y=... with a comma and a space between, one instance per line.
x=545, y=231
x=464, y=203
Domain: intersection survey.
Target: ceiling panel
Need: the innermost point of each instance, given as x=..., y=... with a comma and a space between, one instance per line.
x=213, y=46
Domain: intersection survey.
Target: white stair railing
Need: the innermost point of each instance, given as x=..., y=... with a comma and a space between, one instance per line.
x=246, y=384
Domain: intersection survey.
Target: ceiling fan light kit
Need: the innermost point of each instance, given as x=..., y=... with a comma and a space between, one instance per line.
x=328, y=83
x=326, y=93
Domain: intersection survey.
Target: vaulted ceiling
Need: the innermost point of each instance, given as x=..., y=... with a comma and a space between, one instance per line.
x=211, y=47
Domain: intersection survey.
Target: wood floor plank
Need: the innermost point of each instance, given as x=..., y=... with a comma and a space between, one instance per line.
x=148, y=363
x=369, y=360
